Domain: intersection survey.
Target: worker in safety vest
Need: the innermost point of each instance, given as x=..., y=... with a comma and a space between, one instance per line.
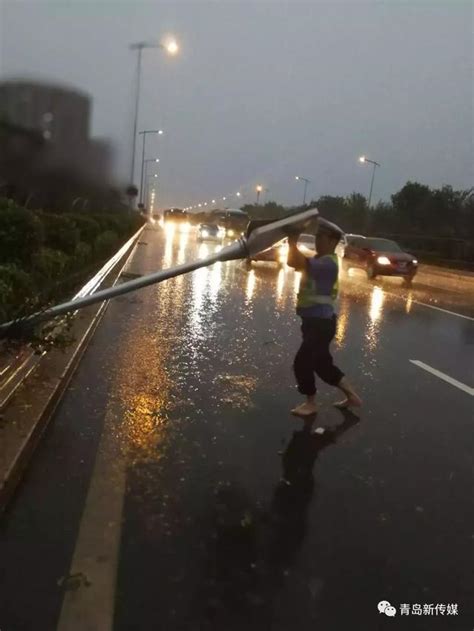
x=316, y=307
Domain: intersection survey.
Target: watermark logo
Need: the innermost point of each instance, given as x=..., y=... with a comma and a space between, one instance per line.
x=385, y=607
x=426, y=609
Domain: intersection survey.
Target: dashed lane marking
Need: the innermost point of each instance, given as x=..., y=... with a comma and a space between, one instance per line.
x=443, y=376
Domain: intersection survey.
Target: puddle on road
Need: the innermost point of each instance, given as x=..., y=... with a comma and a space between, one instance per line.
x=236, y=390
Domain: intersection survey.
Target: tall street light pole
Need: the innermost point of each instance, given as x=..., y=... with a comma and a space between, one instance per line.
x=145, y=133
x=171, y=47
x=259, y=189
x=306, y=182
x=363, y=160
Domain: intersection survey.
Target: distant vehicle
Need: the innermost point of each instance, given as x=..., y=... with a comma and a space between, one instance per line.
x=380, y=257
x=307, y=244
x=233, y=220
x=176, y=217
x=345, y=239
x=210, y=232
x=278, y=254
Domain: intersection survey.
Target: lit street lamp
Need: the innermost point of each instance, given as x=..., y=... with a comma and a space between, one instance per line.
x=149, y=183
x=363, y=160
x=147, y=162
x=306, y=182
x=259, y=189
x=144, y=134
x=171, y=47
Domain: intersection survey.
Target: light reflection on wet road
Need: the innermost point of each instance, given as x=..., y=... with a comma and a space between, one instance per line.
x=192, y=381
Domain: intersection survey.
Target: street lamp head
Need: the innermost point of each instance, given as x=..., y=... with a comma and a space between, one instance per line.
x=213, y=201
x=171, y=47
x=297, y=177
x=259, y=188
x=224, y=198
x=238, y=194
x=160, y=132
x=362, y=159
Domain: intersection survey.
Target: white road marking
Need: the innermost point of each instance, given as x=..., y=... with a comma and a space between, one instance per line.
x=424, y=304
x=90, y=604
x=441, y=375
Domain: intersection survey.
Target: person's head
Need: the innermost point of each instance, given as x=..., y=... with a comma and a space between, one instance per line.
x=327, y=237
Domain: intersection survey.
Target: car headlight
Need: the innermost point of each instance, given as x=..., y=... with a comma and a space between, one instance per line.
x=415, y=262
x=383, y=260
x=204, y=233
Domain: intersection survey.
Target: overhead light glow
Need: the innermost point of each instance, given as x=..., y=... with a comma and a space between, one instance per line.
x=172, y=47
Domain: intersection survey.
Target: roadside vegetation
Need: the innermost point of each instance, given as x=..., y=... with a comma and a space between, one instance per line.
x=46, y=256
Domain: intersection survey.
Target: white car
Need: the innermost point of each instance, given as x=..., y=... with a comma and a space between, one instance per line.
x=278, y=254
x=346, y=239
x=307, y=244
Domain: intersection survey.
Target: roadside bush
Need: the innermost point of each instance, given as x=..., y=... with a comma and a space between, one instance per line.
x=46, y=257
x=16, y=291
x=21, y=234
x=61, y=232
x=115, y=223
x=88, y=227
x=50, y=264
x=83, y=253
x=106, y=243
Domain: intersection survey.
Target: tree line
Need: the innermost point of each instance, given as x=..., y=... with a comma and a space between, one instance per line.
x=435, y=224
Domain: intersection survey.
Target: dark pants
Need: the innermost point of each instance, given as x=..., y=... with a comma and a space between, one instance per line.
x=314, y=355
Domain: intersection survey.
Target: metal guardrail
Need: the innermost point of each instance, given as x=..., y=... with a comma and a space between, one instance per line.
x=17, y=369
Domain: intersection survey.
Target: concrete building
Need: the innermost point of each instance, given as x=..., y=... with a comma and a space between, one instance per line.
x=61, y=117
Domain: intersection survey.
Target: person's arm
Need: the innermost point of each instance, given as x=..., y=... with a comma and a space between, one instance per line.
x=296, y=259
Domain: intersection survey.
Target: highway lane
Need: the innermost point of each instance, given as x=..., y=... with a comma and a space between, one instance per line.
x=155, y=502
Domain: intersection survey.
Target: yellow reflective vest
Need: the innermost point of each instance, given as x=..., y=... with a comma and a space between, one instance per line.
x=310, y=294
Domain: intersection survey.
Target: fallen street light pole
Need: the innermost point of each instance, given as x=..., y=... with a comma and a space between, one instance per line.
x=258, y=240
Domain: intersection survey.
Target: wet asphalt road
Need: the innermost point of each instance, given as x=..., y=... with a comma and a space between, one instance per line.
x=155, y=500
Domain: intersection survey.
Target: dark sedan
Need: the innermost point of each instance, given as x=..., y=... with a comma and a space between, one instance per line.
x=380, y=257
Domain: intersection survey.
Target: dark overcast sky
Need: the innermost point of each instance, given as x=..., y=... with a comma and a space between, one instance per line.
x=262, y=91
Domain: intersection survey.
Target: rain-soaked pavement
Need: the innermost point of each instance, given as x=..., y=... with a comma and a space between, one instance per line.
x=155, y=500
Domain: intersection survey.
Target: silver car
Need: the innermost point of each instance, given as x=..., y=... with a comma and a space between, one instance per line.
x=346, y=239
